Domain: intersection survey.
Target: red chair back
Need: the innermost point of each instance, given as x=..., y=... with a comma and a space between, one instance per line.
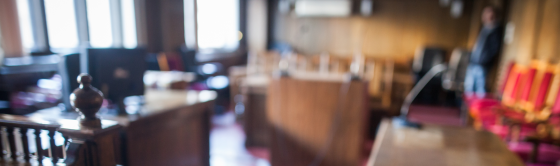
x=538, y=87
x=556, y=107
x=506, y=77
x=543, y=91
x=513, y=84
x=528, y=81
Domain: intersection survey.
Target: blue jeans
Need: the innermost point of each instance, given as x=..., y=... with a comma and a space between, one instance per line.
x=475, y=80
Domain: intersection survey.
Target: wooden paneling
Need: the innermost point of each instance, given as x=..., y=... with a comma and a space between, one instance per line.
x=305, y=114
x=164, y=24
x=549, y=33
x=173, y=129
x=9, y=29
x=395, y=29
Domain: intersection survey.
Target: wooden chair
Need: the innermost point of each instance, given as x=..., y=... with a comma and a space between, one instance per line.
x=379, y=73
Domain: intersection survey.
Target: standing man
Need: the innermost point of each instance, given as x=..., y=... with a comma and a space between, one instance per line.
x=485, y=50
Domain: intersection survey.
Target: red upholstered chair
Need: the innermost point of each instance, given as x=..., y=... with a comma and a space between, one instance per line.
x=540, y=150
x=481, y=109
x=534, y=87
x=532, y=102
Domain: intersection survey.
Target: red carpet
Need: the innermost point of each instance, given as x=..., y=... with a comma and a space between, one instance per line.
x=435, y=115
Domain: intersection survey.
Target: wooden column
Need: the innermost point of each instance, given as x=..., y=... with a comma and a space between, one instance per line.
x=10, y=36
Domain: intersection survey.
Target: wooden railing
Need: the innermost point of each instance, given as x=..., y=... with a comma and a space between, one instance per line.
x=87, y=141
x=173, y=129
x=16, y=130
x=78, y=145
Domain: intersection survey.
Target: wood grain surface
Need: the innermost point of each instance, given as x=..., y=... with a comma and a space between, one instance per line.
x=434, y=145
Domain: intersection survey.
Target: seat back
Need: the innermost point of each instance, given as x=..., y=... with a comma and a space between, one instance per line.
x=506, y=78
x=513, y=84
x=426, y=58
x=526, y=84
x=553, y=99
x=538, y=88
x=554, y=87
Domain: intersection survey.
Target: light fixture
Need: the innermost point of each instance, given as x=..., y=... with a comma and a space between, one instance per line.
x=323, y=8
x=366, y=7
x=457, y=8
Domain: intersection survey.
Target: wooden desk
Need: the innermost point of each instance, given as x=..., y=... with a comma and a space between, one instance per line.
x=316, y=121
x=172, y=128
x=439, y=146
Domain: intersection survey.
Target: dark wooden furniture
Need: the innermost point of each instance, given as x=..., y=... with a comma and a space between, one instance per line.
x=172, y=128
x=82, y=145
x=316, y=122
x=434, y=145
x=254, y=117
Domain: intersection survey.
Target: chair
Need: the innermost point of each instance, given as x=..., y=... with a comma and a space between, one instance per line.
x=541, y=148
x=480, y=109
x=424, y=60
x=532, y=100
x=69, y=69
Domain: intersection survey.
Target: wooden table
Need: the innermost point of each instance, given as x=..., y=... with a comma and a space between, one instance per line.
x=434, y=145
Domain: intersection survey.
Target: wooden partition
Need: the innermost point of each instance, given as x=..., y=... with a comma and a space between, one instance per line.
x=310, y=117
x=171, y=129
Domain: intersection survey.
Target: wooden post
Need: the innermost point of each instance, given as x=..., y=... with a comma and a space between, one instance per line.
x=92, y=143
x=92, y=146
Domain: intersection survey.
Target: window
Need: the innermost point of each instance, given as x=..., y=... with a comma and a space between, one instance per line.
x=99, y=23
x=218, y=25
x=25, y=24
x=110, y=23
x=130, y=40
x=61, y=23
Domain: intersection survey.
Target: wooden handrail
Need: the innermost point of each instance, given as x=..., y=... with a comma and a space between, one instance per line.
x=90, y=140
x=84, y=145
x=26, y=122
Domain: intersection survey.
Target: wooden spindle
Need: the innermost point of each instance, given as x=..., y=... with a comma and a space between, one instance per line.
x=2, y=144
x=54, y=153
x=64, y=146
x=25, y=144
x=12, y=141
x=65, y=140
x=39, y=146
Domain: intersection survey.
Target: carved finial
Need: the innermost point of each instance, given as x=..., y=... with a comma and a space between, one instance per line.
x=84, y=79
x=87, y=100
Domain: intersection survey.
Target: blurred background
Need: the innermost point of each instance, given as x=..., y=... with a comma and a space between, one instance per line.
x=285, y=77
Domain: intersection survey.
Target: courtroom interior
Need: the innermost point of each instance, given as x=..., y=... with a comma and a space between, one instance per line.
x=280, y=82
